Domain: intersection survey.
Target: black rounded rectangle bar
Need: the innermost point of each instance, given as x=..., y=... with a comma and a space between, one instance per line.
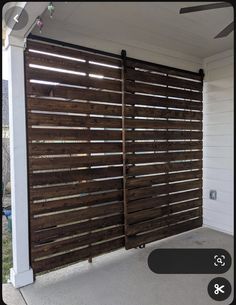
x=189, y=261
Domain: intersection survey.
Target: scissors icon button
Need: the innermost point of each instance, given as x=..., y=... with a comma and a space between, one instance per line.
x=219, y=289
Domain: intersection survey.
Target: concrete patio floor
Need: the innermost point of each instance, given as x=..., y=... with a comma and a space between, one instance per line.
x=123, y=278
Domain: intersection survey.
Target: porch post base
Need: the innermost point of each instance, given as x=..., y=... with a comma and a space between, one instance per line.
x=21, y=279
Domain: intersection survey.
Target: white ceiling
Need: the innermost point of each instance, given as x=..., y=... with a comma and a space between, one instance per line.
x=154, y=23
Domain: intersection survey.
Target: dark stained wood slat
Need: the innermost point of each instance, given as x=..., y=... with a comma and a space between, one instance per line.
x=160, y=168
x=146, y=192
x=172, y=124
x=143, y=204
x=72, y=65
x=36, y=134
x=74, y=53
x=72, y=107
x=154, y=158
x=38, y=149
x=138, y=99
x=45, y=235
x=163, y=178
x=51, y=105
x=149, y=214
x=46, y=221
x=193, y=210
x=73, y=162
x=74, y=148
x=148, y=237
x=44, y=193
x=51, y=163
x=75, y=175
x=161, y=79
x=134, y=63
x=76, y=242
x=76, y=202
x=77, y=255
x=39, y=119
x=160, y=90
x=158, y=147
x=162, y=113
x=73, y=93
x=163, y=135
x=73, y=79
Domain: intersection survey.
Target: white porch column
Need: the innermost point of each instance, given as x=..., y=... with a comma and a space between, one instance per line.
x=21, y=274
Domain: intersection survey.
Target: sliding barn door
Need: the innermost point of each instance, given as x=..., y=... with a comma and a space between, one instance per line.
x=163, y=147
x=74, y=154
x=114, y=152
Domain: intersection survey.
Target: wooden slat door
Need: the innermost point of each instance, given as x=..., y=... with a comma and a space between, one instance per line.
x=74, y=154
x=163, y=126
x=114, y=153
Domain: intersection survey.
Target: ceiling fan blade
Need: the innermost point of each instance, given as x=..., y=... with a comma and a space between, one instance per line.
x=204, y=7
x=226, y=31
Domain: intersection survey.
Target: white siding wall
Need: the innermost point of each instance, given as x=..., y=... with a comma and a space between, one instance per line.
x=218, y=141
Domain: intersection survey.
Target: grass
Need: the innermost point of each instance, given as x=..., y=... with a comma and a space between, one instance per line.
x=6, y=254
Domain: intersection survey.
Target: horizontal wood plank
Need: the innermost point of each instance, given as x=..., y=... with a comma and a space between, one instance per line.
x=163, y=135
x=145, y=192
x=134, y=63
x=44, y=193
x=193, y=210
x=37, y=149
x=164, y=91
x=74, y=175
x=45, y=60
x=135, y=182
x=73, y=79
x=73, y=53
x=51, y=220
x=50, y=134
x=58, y=246
x=63, y=106
x=148, y=77
x=166, y=167
x=43, y=90
x=147, y=203
x=52, y=163
x=53, y=233
x=138, y=99
x=77, y=255
x=75, y=202
x=47, y=134
x=41, y=119
x=148, y=237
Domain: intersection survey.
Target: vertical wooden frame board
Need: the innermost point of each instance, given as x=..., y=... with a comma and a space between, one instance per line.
x=163, y=152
